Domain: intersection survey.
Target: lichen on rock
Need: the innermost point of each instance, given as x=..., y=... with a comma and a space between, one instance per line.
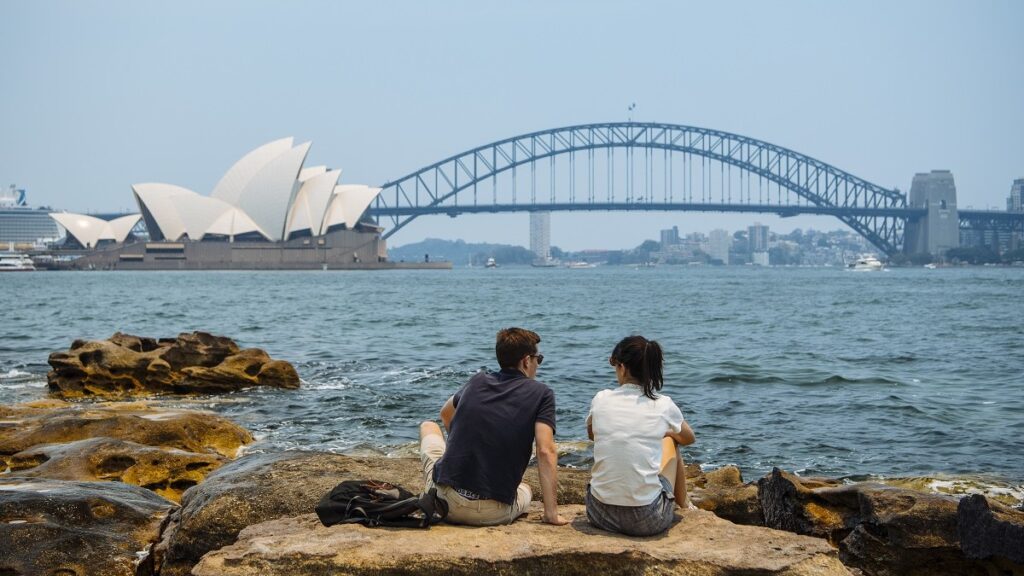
x=166, y=471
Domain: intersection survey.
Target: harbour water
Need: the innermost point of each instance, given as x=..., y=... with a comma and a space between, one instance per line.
x=908, y=372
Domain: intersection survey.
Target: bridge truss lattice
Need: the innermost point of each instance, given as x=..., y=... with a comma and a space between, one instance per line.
x=643, y=166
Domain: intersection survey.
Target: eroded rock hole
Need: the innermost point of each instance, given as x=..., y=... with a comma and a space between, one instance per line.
x=115, y=464
x=182, y=485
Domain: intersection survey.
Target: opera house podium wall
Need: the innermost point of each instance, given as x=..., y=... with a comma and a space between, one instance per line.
x=337, y=250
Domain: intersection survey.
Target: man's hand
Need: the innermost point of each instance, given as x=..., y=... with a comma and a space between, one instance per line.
x=557, y=520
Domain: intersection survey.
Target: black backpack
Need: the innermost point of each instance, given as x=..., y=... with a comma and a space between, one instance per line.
x=374, y=503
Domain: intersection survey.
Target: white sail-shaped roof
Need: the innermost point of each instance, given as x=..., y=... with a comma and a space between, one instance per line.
x=310, y=203
x=159, y=203
x=90, y=231
x=268, y=196
x=233, y=222
x=179, y=211
x=121, y=227
x=308, y=173
x=347, y=204
x=234, y=181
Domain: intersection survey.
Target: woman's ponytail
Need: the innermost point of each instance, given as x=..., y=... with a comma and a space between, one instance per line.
x=643, y=360
x=653, y=379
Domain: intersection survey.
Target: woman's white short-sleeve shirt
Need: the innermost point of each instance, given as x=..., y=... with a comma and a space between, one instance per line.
x=628, y=429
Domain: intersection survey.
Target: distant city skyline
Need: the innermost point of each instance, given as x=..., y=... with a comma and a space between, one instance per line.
x=102, y=95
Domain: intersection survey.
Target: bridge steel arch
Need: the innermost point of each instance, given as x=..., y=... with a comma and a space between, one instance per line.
x=877, y=213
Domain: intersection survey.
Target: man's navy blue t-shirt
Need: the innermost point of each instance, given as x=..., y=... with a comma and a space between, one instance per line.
x=492, y=433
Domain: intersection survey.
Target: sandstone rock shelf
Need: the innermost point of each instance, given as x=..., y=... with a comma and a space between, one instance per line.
x=698, y=544
x=192, y=363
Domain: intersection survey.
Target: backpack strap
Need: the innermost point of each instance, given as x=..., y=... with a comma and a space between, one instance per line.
x=434, y=509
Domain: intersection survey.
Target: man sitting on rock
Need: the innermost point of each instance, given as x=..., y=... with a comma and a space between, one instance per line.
x=492, y=422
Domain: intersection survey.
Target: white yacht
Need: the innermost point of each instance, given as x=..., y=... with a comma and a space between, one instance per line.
x=15, y=262
x=865, y=263
x=580, y=264
x=491, y=263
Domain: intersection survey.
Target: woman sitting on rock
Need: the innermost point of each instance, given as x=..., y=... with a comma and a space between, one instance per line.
x=638, y=476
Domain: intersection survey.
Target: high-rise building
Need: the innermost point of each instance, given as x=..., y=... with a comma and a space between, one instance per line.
x=1015, y=203
x=939, y=229
x=669, y=237
x=540, y=234
x=719, y=242
x=757, y=238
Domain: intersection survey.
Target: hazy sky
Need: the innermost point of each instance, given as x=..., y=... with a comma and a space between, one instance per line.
x=98, y=95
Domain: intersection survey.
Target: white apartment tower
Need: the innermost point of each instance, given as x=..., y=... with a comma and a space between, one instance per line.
x=540, y=234
x=719, y=242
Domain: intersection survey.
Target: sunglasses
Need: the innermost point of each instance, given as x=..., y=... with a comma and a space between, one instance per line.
x=539, y=357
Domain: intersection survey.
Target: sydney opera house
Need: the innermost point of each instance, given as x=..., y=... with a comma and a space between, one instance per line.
x=268, y=211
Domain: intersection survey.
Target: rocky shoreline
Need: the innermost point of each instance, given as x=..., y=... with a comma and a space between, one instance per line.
x=124, y=488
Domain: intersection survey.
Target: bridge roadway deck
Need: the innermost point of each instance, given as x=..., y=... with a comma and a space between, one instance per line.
x=784, y=210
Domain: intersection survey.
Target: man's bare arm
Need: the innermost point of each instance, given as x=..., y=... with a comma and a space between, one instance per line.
x=547, y=466
x=447, y=413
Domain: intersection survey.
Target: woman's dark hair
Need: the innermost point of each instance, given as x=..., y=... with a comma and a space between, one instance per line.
x=643, y=359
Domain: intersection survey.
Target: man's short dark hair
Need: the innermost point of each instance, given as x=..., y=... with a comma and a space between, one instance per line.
x=514, y=343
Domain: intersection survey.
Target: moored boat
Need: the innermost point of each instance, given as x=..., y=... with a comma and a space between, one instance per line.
x=15, y=262
x=866, y=263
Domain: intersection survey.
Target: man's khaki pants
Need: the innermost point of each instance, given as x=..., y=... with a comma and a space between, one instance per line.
x=462, y=510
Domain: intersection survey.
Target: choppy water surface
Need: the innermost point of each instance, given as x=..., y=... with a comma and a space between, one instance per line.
x=823, y=371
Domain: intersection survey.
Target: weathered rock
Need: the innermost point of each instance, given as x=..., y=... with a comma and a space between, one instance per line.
x=881, y=530
x=572, y=484
x=989, y=529
x=723, y=492
x=792, y=503
x=166, y=471
x=27, y=426
x=56, y=527
x=699, y=544
x=906, y=532
x=126, y=365
x=261, y=487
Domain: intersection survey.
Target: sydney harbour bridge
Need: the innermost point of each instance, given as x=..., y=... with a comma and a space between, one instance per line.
x=634, y=166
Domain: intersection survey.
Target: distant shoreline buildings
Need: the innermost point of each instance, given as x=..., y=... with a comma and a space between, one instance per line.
x=269, y=211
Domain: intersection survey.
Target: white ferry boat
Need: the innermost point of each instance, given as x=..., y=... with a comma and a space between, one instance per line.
x=15, y=262
x=865, y=263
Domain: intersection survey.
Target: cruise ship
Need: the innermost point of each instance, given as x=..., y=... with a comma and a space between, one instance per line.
x=23, y=225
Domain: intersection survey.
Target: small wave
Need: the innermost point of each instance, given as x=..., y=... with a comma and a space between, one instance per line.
x=583, y=327
x=334, y=384
x=839, y=379
x=15, y=374
x=744, y=379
